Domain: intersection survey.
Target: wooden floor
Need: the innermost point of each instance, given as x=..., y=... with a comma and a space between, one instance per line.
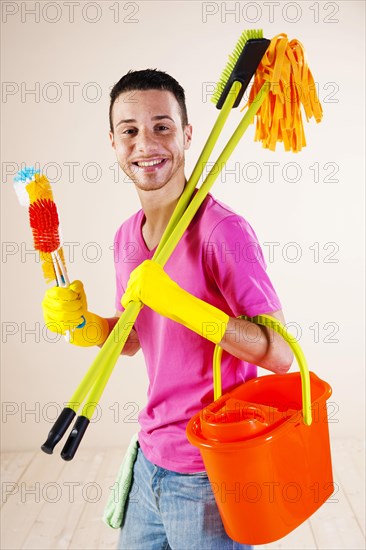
x=48, y=503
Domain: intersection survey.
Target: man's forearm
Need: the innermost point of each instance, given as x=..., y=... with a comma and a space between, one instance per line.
x=132, y=345
x=258, y=345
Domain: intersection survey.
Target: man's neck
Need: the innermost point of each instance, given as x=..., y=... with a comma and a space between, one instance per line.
x=158, y=207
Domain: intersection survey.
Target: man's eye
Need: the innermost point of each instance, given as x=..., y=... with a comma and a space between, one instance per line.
x=129, y=131
x=162, y=127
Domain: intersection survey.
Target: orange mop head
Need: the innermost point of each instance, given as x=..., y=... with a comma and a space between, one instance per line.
x=279, y=118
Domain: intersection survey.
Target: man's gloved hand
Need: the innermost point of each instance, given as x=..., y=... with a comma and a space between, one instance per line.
x=149, y=284
x=64, y=309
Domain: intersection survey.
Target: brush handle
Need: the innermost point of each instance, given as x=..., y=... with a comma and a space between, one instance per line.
x=58, y=272
x=61, y=278
x=61, y=268
x=64, y=282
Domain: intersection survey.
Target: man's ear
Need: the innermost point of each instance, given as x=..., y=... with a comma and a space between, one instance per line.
x=187, y=136
x=111, y=138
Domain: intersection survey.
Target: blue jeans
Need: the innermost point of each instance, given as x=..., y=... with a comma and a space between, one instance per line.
x=171, y=511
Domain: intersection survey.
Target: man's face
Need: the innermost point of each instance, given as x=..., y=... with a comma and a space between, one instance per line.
x=149, y=139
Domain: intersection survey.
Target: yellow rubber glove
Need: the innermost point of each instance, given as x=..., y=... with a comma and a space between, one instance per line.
x=149, y=284
x=64, y=309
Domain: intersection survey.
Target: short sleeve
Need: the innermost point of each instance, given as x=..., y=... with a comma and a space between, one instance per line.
x=235, y=259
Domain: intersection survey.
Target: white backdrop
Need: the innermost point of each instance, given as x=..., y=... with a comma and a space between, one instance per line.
x=59, y=61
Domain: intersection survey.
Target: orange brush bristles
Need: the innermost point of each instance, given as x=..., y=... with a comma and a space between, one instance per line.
x=44, y=222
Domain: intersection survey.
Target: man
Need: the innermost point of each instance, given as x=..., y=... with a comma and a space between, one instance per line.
x=215, y=274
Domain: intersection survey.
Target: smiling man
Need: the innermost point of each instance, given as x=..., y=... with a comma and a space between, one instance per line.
x=150, y=135
x=216, y=273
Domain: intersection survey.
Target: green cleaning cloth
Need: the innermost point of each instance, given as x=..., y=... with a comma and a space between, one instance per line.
x=115, y=507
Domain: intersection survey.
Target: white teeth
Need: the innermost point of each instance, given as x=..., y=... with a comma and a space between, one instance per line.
x=150, y=163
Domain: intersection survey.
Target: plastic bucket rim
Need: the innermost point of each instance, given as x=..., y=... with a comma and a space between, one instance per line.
x=258, y=439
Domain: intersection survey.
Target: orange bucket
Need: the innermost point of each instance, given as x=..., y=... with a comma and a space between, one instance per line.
x=265, y=446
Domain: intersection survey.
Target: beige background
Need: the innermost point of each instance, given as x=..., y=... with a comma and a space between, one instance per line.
x=71, y=66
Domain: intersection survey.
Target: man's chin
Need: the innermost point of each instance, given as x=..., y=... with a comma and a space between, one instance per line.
x=150, y=186
x=145, y=185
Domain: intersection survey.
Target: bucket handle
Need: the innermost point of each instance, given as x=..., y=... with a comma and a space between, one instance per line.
x=277, y=326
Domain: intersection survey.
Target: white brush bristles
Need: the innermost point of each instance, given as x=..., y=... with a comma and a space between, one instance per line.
x=22, y=193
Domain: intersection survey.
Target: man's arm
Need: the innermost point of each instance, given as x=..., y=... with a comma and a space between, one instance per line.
x=257, y=344
x=151, y=285
x=132, y=345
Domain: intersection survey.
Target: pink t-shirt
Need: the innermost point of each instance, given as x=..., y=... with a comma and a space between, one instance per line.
x=220, y=261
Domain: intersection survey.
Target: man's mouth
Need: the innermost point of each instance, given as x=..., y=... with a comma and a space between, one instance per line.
x=150, y=165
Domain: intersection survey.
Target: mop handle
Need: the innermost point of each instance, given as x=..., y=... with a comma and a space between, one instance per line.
x=276, y=325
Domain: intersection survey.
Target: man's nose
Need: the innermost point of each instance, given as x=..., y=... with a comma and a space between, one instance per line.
x=146, y=141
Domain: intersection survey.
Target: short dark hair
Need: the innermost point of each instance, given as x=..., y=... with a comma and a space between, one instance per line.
x=149, y=79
